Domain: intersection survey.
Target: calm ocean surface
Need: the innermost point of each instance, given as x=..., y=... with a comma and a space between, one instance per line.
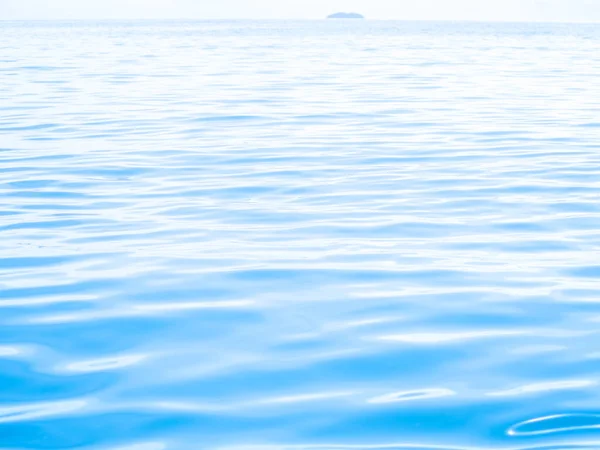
x=299, y=235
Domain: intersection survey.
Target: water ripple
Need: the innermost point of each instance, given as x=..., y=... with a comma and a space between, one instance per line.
x=412, y=395
x=39, y=410
x=556, y=424
x=299, y=235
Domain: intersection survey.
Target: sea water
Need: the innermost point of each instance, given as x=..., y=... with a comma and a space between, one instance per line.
x=299, y=235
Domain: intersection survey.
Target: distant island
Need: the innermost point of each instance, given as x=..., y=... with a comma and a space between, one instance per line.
x=343, y=15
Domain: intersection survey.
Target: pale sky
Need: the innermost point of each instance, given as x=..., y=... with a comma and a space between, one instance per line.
x=503, y=10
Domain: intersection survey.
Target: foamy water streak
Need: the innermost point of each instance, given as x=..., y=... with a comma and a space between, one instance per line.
x=299, y=235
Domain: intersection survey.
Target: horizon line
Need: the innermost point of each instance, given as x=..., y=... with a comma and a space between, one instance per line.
x=325, y=18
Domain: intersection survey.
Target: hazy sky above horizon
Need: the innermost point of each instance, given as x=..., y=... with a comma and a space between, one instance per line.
x=505, y=10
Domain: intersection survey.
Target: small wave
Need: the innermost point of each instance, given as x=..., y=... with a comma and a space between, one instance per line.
x=544, y=387
x=36, y=411
x=405, y=396
x=559, y=423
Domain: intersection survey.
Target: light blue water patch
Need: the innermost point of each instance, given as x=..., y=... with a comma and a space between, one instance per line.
x=299, y=236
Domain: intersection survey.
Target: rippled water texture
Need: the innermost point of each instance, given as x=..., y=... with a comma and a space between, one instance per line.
x=299, y=235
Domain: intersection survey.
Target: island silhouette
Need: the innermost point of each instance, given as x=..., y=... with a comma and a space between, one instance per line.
x=344, y=15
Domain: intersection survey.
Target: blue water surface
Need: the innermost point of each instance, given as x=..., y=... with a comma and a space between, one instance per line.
x=299, y=235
